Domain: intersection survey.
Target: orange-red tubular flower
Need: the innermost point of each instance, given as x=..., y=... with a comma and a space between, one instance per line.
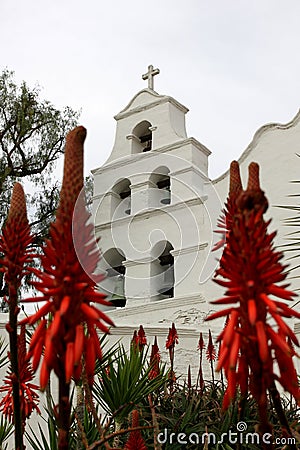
x=154, y=360
x=15, y=247
x=28, y=391
x=224, y=222
x=69, y=319
x=211, y=350
x=200, y=343
x=200, y=347
x=135, y=340
x=142, y=338
x=172, y=338
x=250, y=270
x=15, y=240
x=135, y=440
x=139, y=339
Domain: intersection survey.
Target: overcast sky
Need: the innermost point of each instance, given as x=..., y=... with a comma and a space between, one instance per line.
x=235, y=64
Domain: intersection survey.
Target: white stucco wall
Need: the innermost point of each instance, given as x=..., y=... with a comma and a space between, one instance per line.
x=274, y=147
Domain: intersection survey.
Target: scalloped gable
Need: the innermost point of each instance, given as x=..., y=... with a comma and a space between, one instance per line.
x=145, y=99
x=256, y=139
x=274, y=147
x=141, y=98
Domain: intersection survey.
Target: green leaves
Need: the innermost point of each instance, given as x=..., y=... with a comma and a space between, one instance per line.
x=124, y=383
x=3, y=352
x=32, y=129
x=42, y=442
x=6, y=430
x=32, y=133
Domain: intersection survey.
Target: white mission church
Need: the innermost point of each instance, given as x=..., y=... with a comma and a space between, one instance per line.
x=155, y=209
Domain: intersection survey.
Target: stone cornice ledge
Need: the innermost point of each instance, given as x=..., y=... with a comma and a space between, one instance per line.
x=152, y=211
x=127, y=330
x=191, y=249
x=158, y=305
x=132, y=159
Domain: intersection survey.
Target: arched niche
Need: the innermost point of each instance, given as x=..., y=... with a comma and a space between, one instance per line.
x=113, y=285
x=161, y=191
x=141, y=137
x=121, y=200
x=162, y=270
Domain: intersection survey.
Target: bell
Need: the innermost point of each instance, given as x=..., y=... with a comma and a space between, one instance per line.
x=127, y=205
x=167, y=286
x=118, y=298
x=166, y=200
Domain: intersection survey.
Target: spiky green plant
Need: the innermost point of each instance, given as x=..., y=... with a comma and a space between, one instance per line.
x=6, y=430
x=3, y=352
x=125, y=383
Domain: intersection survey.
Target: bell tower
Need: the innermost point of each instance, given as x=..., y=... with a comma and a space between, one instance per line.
x=149, y=205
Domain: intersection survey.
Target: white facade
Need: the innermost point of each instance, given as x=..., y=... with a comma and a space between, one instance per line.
x=155, y=210
x=149, y=204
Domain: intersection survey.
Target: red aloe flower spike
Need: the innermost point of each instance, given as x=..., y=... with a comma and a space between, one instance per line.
x=28, y=392
x=142, y=338
x=253, y=198
x=250, y=270
x=234, y=190
x=15, y=240
x=201, y=346
x=135, y=440
x=14, y=244
x=210, y=351
x=211, y=354
x=69, y=260
x=253, y=187
x=154, y=360
x=67, y=288
x=172, y=338
x=235, y=185
x=73, y=173
x=200, y=342
x=135, y=340
x=253, y=178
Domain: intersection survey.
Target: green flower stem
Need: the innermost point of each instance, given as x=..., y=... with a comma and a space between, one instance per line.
x=64, y=411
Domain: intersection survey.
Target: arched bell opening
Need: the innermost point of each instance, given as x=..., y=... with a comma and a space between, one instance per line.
x=162, y=270
x=114, y=282
x=143, y=137
x=161, y=193
x=121, y=203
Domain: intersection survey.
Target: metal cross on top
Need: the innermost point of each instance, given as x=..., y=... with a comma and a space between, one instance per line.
x=150, y=75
